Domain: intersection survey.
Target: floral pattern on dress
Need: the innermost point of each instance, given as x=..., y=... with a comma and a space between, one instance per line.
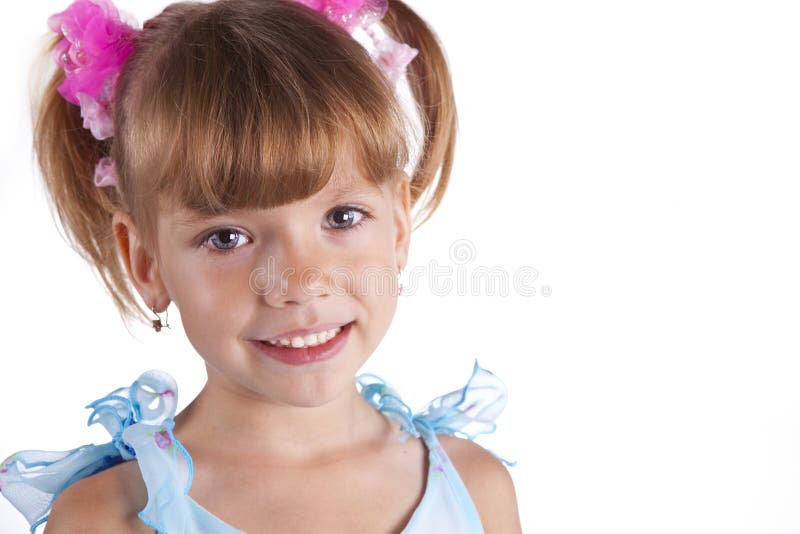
x=7, y=463
x=164, y=439
x=4, y=468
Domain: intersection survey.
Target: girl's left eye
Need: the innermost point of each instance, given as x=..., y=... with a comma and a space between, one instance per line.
x=342, y=217
x=230, y=236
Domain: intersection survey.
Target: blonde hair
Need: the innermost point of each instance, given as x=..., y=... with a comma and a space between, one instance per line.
x=239, y=104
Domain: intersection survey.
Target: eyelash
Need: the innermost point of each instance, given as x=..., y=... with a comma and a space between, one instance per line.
x=366, y=215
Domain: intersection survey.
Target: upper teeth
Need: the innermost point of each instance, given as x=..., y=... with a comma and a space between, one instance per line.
x=306, y=341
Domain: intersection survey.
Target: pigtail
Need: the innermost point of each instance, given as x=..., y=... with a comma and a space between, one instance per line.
x=66, y=153
x=429, y=77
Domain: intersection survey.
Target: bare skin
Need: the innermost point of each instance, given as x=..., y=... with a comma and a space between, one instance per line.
x=110, y=500
x=278, y=448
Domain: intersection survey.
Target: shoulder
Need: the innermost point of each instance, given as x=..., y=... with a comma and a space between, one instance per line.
x=488, y=481
x=107, y=501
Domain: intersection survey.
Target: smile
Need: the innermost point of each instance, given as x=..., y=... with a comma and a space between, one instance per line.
x=319, y=349
x=310, y=340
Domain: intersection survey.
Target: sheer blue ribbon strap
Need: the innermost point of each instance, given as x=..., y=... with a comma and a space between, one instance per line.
x=383, y=397
x=467, y=412
x=32, y=479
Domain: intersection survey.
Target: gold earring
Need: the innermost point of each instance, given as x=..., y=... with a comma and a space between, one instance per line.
x=157, y=322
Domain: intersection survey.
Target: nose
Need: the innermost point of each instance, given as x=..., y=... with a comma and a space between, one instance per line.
x=295, y=272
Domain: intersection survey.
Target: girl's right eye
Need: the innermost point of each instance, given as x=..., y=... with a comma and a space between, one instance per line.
x=223, y=241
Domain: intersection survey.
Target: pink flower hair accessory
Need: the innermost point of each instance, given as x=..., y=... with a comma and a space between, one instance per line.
x=105, y=173
x=97, y=42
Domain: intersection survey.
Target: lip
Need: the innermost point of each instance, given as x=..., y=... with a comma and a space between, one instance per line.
x=305, y=331
x=306, y=355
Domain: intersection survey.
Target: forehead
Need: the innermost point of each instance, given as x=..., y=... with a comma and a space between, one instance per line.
x=343, y=184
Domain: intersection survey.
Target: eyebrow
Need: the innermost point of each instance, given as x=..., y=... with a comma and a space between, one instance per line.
x=343, y=190
x=191, y=219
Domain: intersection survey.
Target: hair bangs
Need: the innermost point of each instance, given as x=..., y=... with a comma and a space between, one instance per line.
x=236, y=116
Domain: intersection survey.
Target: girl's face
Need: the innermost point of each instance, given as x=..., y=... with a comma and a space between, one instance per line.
x=252, y=275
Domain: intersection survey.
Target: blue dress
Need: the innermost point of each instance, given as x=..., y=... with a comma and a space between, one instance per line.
x=140, y=421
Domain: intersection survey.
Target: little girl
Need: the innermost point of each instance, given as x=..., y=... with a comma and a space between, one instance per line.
x=255, y=162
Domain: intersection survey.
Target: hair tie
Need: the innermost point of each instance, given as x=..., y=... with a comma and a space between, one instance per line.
x=98, y=38
x=96, y=43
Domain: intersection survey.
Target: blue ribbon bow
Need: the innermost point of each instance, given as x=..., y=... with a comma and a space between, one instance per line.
x=466, y=412
x=32, y=479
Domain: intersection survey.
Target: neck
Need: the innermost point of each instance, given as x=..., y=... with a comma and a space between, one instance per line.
x=225, y=423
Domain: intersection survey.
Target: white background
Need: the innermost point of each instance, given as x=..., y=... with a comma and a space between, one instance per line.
x=641, y=156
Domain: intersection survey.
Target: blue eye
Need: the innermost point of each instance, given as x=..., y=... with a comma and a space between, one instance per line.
x=342, y=217
x=229, y=238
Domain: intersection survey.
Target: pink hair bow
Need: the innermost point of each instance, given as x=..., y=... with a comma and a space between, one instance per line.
x=96, y=43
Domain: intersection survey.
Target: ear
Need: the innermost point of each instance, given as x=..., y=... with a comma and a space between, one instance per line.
x=402, y=219
x=141, y=264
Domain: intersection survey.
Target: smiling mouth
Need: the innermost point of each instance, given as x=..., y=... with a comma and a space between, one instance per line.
x=305, y=342
x=306, y=354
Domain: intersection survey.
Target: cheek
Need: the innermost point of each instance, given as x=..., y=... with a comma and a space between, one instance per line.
x=374, y=279
x=210, y=301
x=375, y=272
x=380, y=304
x=368, y=270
